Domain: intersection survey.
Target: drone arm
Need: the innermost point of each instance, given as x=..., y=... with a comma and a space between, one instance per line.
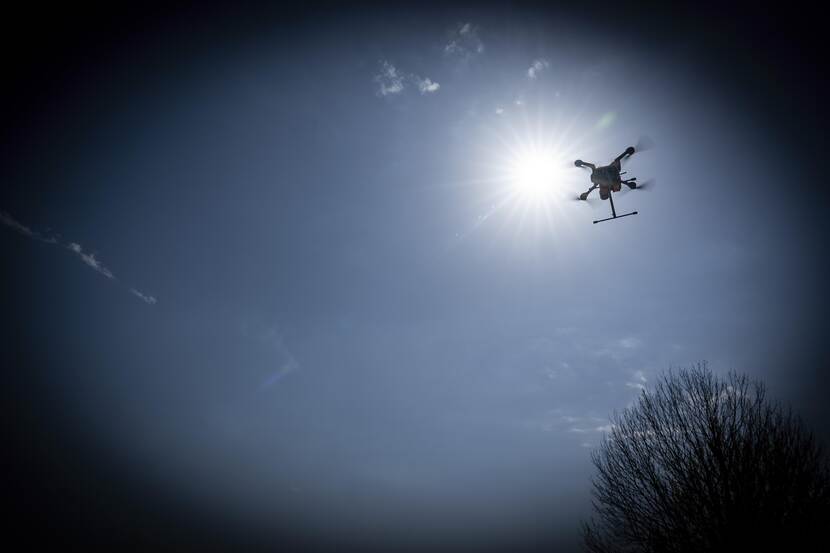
x=584, y=195
x=628, y=152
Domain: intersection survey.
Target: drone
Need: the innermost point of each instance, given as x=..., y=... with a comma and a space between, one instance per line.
x=608, y=179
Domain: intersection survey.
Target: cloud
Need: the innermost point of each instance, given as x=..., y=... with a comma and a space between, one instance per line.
x=10, y=222
x=464, y=42
x=580, y=425
x=639, y=381
x=426, y=85
x=630, y=343
x=621, y=349
x=144, y=297
x=20, y=228
x=584, y=428
x=389, y=80
x=537, y=67
x=74, y=247
x=89, y=259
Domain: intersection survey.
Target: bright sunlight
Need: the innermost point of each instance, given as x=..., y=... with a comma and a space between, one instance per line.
x=534, y=175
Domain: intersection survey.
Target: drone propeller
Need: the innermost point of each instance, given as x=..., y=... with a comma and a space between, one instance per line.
x=647, y=185
x=586, y=201
x=644, y=144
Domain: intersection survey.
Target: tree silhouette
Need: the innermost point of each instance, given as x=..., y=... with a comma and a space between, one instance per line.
x=702, y=463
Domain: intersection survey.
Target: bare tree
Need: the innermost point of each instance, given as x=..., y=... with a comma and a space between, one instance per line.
x=703, y=463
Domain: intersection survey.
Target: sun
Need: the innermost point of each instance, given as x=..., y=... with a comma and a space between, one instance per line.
x=525, y=175
x=534, y=175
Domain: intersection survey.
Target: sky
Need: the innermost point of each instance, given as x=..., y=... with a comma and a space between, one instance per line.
x=317, y=276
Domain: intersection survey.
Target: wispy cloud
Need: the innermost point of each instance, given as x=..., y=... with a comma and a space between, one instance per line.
x=464, y=42
x=426, y=85
x=638, y=381
x=89, y=259
x=13, y=224
x=583, y=426
x=390, y=81
x=603, y=428
x=620, y=349
x=144, y=297
x=20, y=228
x=630, y=342
x=537, y=67
x=586, y=425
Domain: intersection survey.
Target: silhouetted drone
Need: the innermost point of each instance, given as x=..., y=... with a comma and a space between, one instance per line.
x=609, y=179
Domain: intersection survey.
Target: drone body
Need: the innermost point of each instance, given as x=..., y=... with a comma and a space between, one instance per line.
x=608, y=179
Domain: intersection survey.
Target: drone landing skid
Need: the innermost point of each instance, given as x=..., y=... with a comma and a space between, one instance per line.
x=615, y=217
x=613, y=211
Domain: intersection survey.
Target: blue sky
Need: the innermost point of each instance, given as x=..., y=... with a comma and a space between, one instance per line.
x=290, y=277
